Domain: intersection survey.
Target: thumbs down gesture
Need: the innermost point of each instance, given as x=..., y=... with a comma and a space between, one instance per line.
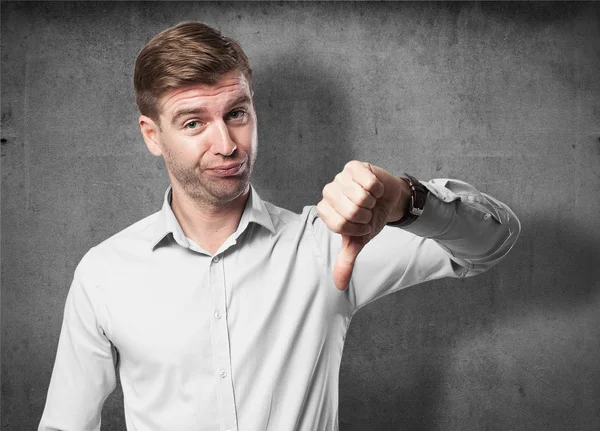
x=357, y=204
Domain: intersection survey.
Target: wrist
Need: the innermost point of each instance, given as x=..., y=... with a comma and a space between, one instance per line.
x=417, y=196
x=403, y=205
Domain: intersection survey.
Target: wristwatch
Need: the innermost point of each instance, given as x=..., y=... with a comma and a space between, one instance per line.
x=418, y=196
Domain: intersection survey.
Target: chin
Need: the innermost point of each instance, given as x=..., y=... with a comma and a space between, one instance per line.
x=214, y=191
x=225, y=191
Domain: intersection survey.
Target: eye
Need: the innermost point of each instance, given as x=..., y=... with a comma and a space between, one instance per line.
x=191, y=124
x=236, y=115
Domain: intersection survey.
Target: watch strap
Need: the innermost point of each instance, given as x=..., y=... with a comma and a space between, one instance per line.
x=418, y=196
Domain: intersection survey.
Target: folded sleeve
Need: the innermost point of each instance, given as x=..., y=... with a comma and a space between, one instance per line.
x=461, y=232
x=84, y=370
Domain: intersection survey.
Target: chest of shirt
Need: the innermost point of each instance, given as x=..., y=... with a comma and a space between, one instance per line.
x=169, y=305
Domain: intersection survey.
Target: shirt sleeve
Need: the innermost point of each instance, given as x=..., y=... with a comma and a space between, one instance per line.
x=461, y=232
x=84, y=370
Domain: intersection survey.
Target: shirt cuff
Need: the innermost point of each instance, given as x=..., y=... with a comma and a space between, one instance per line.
x=438, y=211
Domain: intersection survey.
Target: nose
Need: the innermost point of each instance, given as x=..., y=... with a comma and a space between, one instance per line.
x=221, y=140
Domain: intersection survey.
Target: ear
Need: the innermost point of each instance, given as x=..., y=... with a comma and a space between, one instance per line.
x=151, y=133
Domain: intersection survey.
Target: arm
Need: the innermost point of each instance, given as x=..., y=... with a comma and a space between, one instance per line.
x=461, y=232
x=474, y=229
x=84, y=370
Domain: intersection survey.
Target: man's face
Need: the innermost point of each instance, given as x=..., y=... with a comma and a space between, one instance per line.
x=207, y=137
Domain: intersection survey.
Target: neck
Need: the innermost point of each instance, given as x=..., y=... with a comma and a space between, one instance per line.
x=208, y=225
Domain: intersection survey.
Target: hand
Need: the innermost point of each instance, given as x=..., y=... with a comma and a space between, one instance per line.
x=357, y=204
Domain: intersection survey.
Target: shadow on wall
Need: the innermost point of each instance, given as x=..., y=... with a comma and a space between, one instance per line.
x=303, y=125
x=508, y=349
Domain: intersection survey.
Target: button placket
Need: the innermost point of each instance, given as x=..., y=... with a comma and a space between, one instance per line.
x=220, y=342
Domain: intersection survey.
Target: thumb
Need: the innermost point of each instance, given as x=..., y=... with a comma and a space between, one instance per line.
x=344, y=264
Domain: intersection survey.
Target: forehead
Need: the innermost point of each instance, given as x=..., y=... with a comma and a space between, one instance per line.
x=228, y=88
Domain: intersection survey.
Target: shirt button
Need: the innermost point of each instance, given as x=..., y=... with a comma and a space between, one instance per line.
x=487, y=216
x=218, y=314
x=215, y=259
x=223, y=373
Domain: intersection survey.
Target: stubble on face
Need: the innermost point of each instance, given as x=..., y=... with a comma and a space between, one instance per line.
x=207, y=190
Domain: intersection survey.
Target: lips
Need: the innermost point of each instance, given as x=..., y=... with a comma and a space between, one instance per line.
x=227, y=170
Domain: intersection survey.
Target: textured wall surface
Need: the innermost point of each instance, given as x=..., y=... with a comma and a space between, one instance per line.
x=505, y=96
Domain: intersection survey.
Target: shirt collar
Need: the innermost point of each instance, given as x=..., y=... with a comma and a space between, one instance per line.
x=255, y=211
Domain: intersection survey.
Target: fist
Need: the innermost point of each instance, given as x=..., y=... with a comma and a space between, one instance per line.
x=357, y=204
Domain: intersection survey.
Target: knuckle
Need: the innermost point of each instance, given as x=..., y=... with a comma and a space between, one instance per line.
x=370, y=183
x=370, y=202
x=359, y=214
x=350, y=213
x=353, y=211
x=339, y=225
x=351, y=164
x=364, y=197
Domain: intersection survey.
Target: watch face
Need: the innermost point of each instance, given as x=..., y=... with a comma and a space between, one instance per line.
x=416, y=211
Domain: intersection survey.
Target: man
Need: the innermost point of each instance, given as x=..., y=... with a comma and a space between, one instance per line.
x=221, y=310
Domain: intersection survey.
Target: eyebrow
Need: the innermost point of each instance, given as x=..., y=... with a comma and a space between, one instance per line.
x=242, y=100
x=183, y=112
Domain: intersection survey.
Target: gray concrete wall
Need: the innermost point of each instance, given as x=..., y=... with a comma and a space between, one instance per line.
x=505, y=96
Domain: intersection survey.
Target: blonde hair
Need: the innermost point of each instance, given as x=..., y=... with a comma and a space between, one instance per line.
x=189, y=53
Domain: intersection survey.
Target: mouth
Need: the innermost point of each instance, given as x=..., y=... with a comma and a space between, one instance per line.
x=227, y=170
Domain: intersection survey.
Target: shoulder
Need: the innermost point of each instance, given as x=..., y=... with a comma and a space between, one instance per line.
x=133, y=241
x=139, y=234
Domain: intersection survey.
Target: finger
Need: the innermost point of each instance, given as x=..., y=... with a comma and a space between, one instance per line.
x=338, y=224
x=335, y=196
x=355, y=192
x=363, y=175
x=344, y=263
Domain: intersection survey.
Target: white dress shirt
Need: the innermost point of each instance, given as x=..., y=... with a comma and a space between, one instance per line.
x=249, y=338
